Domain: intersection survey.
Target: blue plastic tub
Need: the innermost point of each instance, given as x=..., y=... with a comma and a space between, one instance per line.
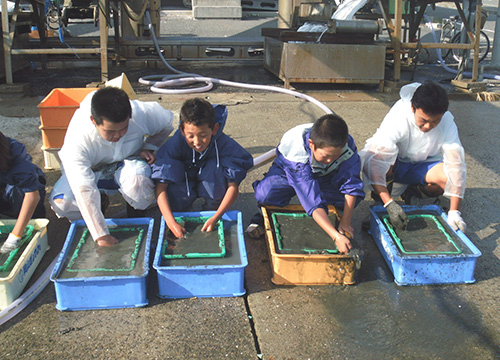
x=103, y=289
x=424, y=269
x=204, y=277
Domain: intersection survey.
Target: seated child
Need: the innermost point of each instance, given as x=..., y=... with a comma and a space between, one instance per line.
x=22, y=189
x=199, y=161
x=318, y=163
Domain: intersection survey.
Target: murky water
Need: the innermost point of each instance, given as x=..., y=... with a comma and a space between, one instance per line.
x=195, y=243
x=231, y=257
x=8, y=261
x=423, y=235
x=300, y=235
x=85, y=259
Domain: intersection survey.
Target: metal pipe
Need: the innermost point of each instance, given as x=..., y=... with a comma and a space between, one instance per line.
x=357, y=26
x=54, y=51
x=7, y=44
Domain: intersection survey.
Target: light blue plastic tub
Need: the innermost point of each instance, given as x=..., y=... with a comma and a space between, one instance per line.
x=424, y=269
x=118, y=290
x=204, y=277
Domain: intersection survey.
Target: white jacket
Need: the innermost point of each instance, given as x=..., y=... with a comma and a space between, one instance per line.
x=399, y=137
x=83, y=149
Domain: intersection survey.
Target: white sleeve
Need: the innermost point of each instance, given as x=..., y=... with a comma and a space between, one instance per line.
x=81, y=179
x=381, y=150
x=454, y=169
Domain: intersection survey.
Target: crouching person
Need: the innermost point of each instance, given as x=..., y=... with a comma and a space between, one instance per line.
x=108, y=147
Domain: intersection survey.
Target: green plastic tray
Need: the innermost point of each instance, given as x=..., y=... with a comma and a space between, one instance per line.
x=195, y=220
x=86, y=235
x=5, y=230
x=279, y=237
x=439, y=226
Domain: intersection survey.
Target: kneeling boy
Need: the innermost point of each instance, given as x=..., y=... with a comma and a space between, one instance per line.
x=199, y=161
x=318, y=163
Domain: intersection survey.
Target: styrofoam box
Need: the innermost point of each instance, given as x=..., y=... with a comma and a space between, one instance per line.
x=205, y=277
x=12, y=285
x=101, y=292
x=424, y=269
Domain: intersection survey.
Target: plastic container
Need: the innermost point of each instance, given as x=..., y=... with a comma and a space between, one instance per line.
x=51, y=158
x=204, y=277
x=305, y=269
x=58, y=107
x=425, y=269
x=116, y=290
x=12, y=285
x=53, y=137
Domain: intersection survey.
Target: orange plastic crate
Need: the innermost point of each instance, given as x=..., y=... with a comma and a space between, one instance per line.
x=53, y=137
x=57, y=109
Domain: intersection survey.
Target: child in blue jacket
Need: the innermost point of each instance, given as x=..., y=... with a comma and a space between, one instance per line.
x=319, y=163
x=22, y=189
x=199, y=161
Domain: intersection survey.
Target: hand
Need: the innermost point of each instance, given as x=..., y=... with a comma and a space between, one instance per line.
x=455, y=221
x=343, y=244
x=345, y=228
x=148, y=156
x=209, y=225
x=106, y=241
x=12, y=243
x=177, y=229
x=398, y=217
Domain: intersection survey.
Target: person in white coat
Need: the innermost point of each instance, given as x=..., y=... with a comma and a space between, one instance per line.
x=417, y=144
x=108, y=147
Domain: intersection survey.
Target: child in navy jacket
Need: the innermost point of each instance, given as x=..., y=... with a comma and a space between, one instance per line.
x=199, y=161
x=319, y=163
x=22, y=189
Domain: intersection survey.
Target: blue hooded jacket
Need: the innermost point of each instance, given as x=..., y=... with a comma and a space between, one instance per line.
x=23, y=174
x=176, y=161
x=308, y=185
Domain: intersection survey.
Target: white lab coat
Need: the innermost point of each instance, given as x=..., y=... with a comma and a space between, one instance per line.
x=399, y=137
x=83, y=149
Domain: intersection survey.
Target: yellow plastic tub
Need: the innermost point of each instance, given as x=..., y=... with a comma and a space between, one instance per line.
x=306, y=269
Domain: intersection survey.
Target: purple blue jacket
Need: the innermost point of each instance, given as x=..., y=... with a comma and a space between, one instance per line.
x=176, y=161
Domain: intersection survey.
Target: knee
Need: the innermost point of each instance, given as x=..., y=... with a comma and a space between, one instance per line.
x=61, y=204
x=138, y=190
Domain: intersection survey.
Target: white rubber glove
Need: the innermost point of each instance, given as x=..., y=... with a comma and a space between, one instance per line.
x=455, y=220
x=12, y=243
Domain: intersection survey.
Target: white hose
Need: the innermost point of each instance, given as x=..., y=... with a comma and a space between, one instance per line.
x=441, y=61
x=28, y=296
x=159, y=82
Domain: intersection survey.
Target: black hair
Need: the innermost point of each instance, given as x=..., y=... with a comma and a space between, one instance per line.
x=111, y=104
x=5, y=155
x=431, y=98
x=198, y=112
x=329, y=130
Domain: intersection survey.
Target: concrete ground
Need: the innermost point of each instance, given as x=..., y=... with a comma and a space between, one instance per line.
x=373, y=319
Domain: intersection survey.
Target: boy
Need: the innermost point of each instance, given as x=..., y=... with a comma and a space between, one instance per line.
x=417, y=144
x=318, y=163
x=108, y=148
x=22, y=189
x=199, y=161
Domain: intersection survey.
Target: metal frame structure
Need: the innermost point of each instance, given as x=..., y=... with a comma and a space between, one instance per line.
x=8, y=29
x=399, y=47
